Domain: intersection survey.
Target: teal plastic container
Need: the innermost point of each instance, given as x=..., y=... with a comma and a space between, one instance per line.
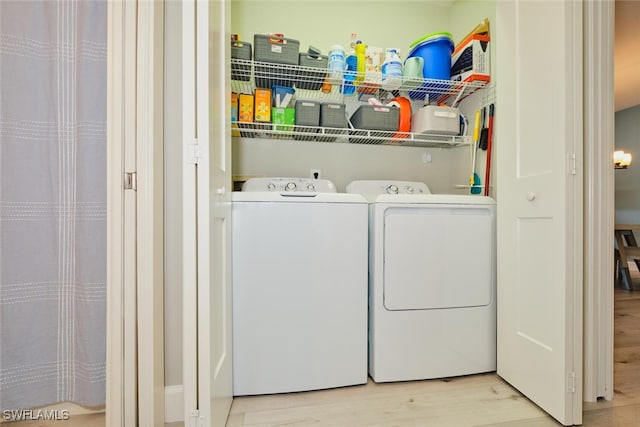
x=436, y=50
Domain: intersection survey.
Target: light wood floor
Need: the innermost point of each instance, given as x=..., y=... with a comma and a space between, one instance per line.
x=477, y=400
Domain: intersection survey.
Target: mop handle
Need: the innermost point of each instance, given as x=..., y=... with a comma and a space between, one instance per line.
x=489, y=138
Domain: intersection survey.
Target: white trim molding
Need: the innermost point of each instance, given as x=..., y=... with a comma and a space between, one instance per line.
x=135, y=352
x=150, y=225
x=173, y=403
x=117, y=133
x=599, y=199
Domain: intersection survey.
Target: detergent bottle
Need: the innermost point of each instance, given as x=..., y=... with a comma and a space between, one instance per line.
x=391, y=70
x=336, y=64
x=351, y=67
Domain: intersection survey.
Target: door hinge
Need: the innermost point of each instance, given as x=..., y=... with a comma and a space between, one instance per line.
x=130, y=181
x=571, y=382
x=192, y=154
x=573, y=164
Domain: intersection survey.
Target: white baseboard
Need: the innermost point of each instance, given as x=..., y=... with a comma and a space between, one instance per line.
x=173, y=403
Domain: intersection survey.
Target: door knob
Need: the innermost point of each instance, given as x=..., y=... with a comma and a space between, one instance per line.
x=221, y=191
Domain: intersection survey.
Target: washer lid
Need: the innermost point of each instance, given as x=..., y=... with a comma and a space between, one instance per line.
x=295, y=197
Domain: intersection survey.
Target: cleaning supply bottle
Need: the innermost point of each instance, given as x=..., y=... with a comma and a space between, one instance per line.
x=391, y=70
x=361, y=55
x=336, y=64
x=351, y=67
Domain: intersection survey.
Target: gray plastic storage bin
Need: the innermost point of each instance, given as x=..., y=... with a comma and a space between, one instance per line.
x=311, y=79
x=307, y=114
x=332, y=115
x=241, y=50
x=277, y=50
x=374, y=118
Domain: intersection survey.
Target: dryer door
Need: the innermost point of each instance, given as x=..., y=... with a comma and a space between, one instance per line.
x=438, y=256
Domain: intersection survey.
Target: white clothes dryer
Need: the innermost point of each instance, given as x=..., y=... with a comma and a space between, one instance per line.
x=432, y=293
x=299, y=286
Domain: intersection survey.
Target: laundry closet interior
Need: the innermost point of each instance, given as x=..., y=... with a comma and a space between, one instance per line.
x=445, y=168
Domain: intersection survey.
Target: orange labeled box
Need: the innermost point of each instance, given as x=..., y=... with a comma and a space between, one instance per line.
x=262, y=109
x=245, y=108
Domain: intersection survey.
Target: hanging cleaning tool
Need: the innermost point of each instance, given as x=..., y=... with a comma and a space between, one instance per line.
x=361, y=55
x=484, y=130
x=489, y=138
x=474, y=179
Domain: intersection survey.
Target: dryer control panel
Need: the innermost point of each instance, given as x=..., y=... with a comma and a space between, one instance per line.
x=289, y=185
x=377, y=187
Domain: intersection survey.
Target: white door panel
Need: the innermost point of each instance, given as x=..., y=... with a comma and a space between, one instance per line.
x=215, y=386
x=538, y=135
x=207, y=213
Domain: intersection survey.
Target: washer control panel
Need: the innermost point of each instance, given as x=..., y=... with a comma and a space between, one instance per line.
x=290, y=185
x=377, y=187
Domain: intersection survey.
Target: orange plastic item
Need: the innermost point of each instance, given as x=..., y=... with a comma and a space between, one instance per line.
x=405, y=117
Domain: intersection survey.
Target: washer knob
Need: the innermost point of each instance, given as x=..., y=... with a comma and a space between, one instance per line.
x=392, y=189
x=311, y=187
x=409, y=189
x=291, y=186
x=271, y=186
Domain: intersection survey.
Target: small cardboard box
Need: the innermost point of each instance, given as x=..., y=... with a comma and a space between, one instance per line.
x=245, y=113
x=471, y=59
x=282, y=96
x=283, y=118
x=262, y=109
x=245, y=108
x=234, y=114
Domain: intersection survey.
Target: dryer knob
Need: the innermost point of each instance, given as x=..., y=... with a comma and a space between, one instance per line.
x=291, y=186
x=271, y=186
x=311, y=187
x=409, y=189
x=392, y=189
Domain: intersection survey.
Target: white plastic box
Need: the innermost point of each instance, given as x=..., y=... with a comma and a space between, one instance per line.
x=432, y=119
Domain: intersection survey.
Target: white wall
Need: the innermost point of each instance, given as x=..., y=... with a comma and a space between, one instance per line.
x=387, y=24
x=627, y=131
x=378, y=23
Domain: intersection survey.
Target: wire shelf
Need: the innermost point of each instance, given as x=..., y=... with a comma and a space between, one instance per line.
x=314, y=82
x=345, y=135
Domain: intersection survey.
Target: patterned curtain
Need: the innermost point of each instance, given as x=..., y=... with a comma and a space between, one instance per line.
x=53, y=62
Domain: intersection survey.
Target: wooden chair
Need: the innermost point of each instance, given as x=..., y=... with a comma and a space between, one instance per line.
x=627, y=249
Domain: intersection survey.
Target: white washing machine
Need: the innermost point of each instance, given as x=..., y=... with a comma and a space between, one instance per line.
x=299, y=286
x=432, y=294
